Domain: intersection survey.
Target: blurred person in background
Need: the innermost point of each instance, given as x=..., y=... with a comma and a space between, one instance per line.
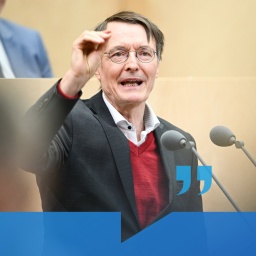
x=17, y=188
x=22, y=52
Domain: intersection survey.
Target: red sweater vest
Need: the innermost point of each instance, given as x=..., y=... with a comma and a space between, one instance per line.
x=150, y=182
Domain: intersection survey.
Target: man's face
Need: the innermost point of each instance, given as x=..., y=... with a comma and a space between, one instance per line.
x=128, y=83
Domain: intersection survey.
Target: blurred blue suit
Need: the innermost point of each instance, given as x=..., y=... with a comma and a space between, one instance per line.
x=25, y=51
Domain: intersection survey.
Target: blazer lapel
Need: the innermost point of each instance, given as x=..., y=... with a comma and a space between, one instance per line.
x=119, y=147
x=168, y=161
x=121, y=153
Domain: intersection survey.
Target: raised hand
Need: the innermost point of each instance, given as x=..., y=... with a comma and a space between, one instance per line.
x=87, y=52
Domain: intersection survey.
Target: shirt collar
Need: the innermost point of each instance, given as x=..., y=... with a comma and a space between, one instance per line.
x=150, y=119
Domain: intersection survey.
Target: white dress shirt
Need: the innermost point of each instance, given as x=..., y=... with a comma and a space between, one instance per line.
x=5, y=64
x=151, y=122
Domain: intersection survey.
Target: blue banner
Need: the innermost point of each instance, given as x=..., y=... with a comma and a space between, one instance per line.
x=94, y=234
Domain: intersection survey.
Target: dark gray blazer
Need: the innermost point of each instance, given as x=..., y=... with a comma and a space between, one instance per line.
x=82, y=160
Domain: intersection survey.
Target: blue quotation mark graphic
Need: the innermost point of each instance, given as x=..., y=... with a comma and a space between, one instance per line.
x=204, y=173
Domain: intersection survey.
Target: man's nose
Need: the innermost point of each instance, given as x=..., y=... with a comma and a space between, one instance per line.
x=132, y=61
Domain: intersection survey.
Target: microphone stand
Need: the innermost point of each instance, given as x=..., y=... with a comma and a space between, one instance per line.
x=240, y=144
x=191, y=145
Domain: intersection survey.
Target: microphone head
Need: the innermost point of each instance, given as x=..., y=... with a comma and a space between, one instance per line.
x=173, y=140
x=222, y=136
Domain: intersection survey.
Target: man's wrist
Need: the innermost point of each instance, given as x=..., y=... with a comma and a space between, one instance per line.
x=63, y=94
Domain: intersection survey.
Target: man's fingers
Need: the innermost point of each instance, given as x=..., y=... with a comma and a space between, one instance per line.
x=87, y=52
x=88, y=38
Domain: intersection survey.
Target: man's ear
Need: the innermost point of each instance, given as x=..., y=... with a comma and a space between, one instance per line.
x=157, y=71
x=97, y=74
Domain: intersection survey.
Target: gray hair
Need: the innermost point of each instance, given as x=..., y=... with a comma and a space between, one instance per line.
x=134, y=18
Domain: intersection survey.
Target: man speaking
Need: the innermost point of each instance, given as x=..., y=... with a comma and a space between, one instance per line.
x=104, y=154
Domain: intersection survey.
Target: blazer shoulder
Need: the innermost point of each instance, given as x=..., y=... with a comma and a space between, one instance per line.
x=17, y=28
x=169, y=126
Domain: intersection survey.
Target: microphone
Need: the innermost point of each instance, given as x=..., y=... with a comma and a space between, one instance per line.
x=174, y=140
x=223, y=137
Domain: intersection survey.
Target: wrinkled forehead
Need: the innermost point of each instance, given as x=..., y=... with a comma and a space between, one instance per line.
x=129, y=34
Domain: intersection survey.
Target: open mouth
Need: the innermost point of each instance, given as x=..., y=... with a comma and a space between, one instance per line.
x=130, y=83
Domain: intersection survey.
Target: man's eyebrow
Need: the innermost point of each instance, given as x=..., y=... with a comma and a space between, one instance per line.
x=119, y=47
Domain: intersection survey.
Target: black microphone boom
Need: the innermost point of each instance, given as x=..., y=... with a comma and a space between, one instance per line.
x=174, y=140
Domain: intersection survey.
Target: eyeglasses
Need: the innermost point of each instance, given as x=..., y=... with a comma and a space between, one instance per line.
x=119, y=55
